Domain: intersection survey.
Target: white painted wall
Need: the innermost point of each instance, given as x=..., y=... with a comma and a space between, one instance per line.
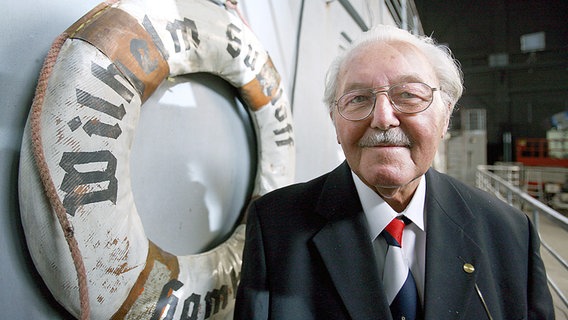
x=28, y=28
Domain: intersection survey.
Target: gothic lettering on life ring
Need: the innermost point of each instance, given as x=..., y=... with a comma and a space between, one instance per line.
x=76, y=184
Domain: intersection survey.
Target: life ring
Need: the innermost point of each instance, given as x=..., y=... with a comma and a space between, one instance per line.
x=74, y=183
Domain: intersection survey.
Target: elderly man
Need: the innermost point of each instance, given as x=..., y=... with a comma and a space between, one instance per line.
x=384, y=236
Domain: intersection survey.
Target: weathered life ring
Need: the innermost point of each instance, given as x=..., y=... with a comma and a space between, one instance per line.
x=79, y=217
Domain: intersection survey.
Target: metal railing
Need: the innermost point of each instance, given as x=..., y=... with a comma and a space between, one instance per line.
x=504, y=181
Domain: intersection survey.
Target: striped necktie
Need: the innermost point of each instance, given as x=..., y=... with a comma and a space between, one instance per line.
x=399, y=283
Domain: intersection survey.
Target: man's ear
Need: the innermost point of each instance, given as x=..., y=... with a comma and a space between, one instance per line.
x=447, y=123
x=332, y=116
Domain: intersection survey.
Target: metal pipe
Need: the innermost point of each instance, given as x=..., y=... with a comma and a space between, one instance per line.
x=495, y=184
x=354, y=14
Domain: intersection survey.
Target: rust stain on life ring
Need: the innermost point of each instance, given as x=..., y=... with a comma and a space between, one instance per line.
x=144, y=282
x=129, y=46
x=123, y=268
x=263, y=89
x=92, y=14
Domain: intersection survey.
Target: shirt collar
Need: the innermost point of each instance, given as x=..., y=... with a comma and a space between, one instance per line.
x=379, y=214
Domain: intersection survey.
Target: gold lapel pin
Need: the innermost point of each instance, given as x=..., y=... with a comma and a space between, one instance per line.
x=468, y=268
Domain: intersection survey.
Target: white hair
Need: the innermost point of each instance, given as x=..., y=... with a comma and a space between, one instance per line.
x=446, y=68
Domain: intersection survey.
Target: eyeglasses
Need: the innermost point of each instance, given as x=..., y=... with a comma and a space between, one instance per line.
x=409, y=98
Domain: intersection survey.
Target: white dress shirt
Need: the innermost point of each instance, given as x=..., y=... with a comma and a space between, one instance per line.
x=379, y=214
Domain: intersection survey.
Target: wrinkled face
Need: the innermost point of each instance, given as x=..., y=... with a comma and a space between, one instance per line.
x=391, y=168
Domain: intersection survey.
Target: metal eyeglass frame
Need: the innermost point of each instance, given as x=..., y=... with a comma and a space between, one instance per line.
x=386, y=91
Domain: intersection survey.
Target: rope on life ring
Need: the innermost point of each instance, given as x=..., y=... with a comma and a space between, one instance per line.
x=80, y=221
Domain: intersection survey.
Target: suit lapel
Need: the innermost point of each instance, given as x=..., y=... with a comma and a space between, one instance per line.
x=450, y=250
x=346, y=249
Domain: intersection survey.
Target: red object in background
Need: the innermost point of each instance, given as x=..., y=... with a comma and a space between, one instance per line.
x=542, y=152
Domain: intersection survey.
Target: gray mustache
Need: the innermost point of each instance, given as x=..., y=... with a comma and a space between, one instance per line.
x=389, y=137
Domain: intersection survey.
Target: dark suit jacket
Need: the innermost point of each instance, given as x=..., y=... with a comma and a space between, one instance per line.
x=308, y=255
